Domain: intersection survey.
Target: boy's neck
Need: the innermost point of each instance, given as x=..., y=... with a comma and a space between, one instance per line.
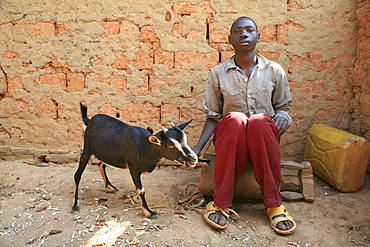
x=246, y=60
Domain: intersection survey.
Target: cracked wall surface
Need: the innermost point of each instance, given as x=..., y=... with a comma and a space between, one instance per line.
x=146, y=62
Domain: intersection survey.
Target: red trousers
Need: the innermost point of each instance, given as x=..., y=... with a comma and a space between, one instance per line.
x=237, y=140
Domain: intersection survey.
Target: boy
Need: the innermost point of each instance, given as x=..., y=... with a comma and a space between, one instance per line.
x=246, y=100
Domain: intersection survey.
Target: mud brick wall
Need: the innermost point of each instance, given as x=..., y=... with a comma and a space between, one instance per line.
x=359, y=79
x=146, y=62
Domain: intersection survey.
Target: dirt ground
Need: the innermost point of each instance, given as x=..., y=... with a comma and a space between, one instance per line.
x=36, y=210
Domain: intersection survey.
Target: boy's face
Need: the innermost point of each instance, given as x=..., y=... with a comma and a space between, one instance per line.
x=244, y=35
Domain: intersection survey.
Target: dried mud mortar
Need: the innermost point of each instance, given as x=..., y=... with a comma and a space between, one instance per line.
x=36, y=209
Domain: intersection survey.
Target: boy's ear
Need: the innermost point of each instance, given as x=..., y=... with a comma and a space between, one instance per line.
x=154, y=140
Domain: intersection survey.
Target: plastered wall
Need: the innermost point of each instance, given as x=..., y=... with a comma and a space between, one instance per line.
x=146, y=62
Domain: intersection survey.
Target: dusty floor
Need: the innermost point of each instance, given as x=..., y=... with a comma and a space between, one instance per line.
x=36, y=210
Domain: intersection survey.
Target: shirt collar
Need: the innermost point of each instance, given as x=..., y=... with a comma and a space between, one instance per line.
x=230, y=64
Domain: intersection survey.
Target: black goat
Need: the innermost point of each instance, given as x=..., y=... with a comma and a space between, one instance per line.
x=123, y=146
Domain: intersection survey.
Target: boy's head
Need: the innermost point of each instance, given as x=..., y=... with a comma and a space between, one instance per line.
x=244, y=17
x=244, y=34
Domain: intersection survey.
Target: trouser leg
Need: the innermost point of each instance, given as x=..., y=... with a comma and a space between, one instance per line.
x=231, y=156
x=264, y=149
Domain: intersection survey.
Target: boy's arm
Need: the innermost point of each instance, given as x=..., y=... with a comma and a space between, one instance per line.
x=208, y=129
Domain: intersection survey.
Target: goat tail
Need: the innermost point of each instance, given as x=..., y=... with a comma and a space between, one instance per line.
x=85, y=119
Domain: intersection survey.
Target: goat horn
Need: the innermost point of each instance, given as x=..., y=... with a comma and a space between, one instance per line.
x=164, y=129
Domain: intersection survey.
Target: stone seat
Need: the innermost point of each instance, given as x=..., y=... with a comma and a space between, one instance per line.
x=296, y=184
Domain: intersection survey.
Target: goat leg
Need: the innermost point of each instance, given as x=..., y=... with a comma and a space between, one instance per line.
x=107, y=183
x=81, y=167
x=141, y=192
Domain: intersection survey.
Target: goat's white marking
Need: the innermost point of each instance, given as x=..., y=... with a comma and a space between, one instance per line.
x=145, y=211
x=178, y=146
x=140, y=191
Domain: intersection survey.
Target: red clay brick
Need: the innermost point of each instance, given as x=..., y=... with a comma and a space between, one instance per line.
x=226, y=55
x=193, y=34
x=168, y=16
x=218, y=36
x=58, y=79
x=177, y=29
x=109, y=110
x=169, y=112
x=268, y=34
x=47, y=109
x=187, y=113
x=111, y=27
x=147, y=34
x=14, y=84
x=117, y=82
x=55, y=63
x=41, y=29
x=163, y=57
x=23, y=104
x=293, y=6
x=10, y=55
x=143, y=89
x=144, y=60
x=120, y=62
x=75, y=82
x=61, y=111
x=59, y=28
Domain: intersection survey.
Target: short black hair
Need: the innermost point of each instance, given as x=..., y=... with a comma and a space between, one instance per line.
x=244, y=17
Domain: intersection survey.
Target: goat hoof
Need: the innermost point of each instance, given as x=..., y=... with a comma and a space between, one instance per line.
x=75, y=208
x=111, y=189
x=153, y=215
x=150, y=214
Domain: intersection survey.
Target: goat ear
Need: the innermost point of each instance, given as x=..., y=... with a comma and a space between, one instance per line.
x=183, y=125
x=154, y=140
x=150, y=130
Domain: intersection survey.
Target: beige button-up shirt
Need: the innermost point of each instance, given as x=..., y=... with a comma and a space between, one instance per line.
x=229, y=89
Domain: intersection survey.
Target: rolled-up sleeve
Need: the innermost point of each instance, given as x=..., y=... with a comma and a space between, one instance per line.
x=282, y=99
x=212, y=98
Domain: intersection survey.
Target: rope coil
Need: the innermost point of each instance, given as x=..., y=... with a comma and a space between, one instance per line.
x=195, y=200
